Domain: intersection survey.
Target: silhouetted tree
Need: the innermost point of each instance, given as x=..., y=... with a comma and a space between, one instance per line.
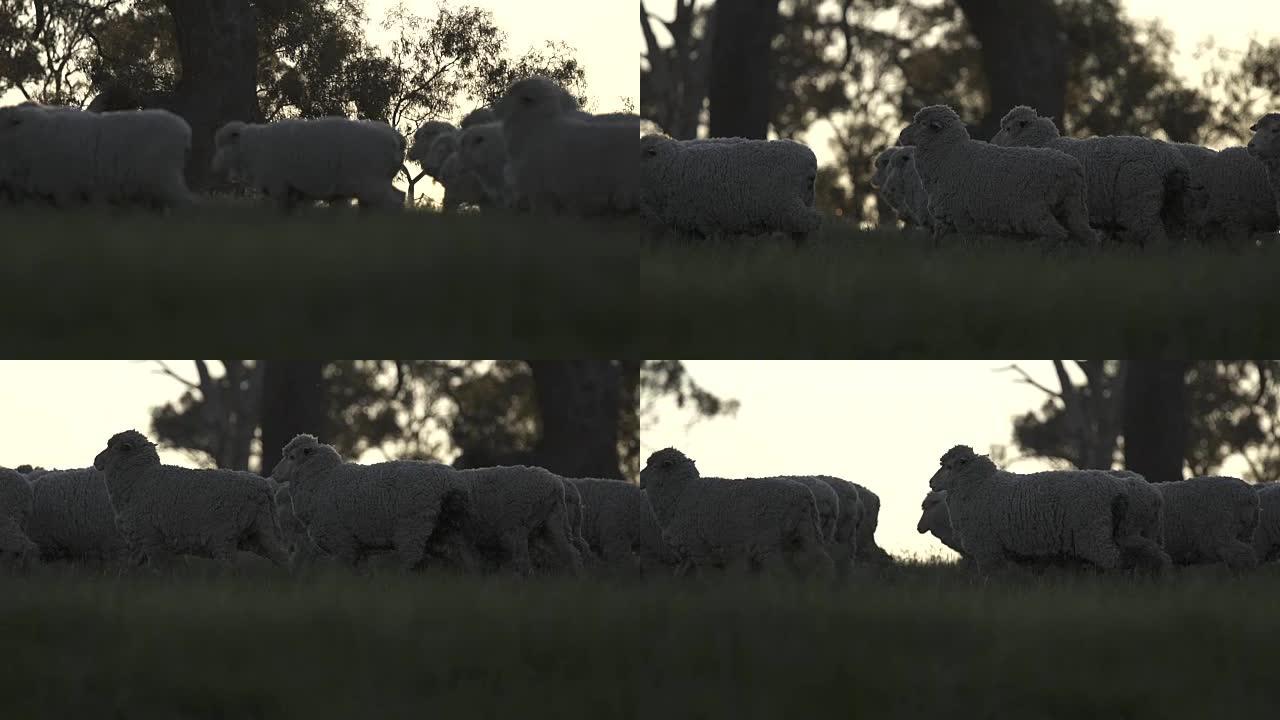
x=738, y=86
x=1155, y=418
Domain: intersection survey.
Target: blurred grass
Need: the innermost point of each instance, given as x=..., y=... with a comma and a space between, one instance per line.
x=250, y=281
x=914, y=642
x=887, y=293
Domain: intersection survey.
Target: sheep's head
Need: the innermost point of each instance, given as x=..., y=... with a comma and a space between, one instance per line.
x=882, y=164
x=424, y=136
x=481, y=145
x=479, y=116
x=932, y=125
x=957, y=464
x=1024, y=127
x=665, y=465
x=126, y=450
x=656, y=147
x=534, y=98
x=228, y=159
x=1265, y=144
x=934, y=502
x=301, y=451
x=442, y=148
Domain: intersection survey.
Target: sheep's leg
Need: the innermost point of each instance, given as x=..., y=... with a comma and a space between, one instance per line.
x=556, y=532
x=410, y=539
x=1237, y=556
x=1075, y=217
x=1099, y=548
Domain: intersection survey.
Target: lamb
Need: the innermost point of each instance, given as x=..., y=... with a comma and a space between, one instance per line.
x=936, y=518
x=322, y=159
x=1265, y=146
x=739, y=523
x=1266, y=539
x=620, y=528
x=352, y=510
x=999, y=516
x=162, y=509
x=424, y=136
x=74, y=157
x=975, y=187
x=729, y=186
x=1135, y=185
x=1140, y=534
x=1208, y=520
x=483, y=153
x=559, y=159
x=514, y=506
x=72, y=518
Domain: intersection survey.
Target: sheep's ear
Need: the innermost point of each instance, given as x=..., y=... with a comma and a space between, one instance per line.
x=935, y=125
x=307, y=451
x=1253, y=127
x=126, y=447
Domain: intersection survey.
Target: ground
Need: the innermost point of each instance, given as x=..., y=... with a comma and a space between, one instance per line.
x=233, y=279
x=919, y=641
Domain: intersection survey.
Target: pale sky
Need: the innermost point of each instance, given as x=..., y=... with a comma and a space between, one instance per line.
x=882, y=424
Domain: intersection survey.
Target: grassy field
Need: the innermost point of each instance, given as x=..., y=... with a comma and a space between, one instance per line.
x=852, y=293
x=252, y=282
x=916, y=642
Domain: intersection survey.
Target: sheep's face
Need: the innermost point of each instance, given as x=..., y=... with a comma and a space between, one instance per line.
x=666, y=464
x=934, y=503
x=424, y=136
x=882, y=165
x=952, y=462
x=300, y=451
x=653, y=148
x=1265, y=143
x=442, y=148
x=125, y=449
x=480, y=145
x=932, y=125
x=228, y=158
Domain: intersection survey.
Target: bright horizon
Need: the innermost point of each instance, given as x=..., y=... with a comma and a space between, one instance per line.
x=882, y=424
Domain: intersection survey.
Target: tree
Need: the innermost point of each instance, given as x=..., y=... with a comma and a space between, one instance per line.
x=215, y=419
x=1155, y=418
x=673, y=89
x=1079, y=423
x=293, y=402
x=44, y=47
x=738, y=86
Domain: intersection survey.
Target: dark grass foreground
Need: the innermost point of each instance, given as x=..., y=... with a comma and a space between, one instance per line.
x=244, y=280
x=918, y=642
x=852, y=293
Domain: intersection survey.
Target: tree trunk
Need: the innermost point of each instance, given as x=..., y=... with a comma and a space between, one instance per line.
x=1024, y=56
x=218, y=49
x=578, y=403
x=741, y=60
x=293, y=402
x=1156, y=424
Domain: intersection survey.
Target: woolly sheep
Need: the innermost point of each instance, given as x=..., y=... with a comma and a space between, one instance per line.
x=352, y=510
x=844, y=547
x=424, y=136
x=514, y=506
x=322, y=159
x=729, y=186
x=72, y=518
x=1265, y=146
x=559, y=159
x=734, y=523
x=543, y=552
x=479, y=116
x=827, y=503
x=15, y=496
x=17, y=552
x=620, y=528
x=975, y=187
x=868, y=550
x=483, y=153
x=908, y=190
x=164, y=510
x=1135, y=185
x=1208, y=520
x=1266, y=539
x=999, y=516
x=74, y=157
x=935, y=518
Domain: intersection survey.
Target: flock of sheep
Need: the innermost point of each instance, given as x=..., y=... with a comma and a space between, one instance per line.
x=129, y=509
x=1028, y=181
x=1106, y=519
x=534, y=150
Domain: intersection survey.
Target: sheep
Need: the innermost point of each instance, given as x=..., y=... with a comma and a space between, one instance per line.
x=900, y=187
x=483, y=153
x=322, y=159
x=16, y=549
x=1135, y=185
x=1266, y=539
x=827, y=503
x=74, y=157
x=867, y=549
x=479, y=116
x=620, y=528
x=936, y=518
x=1208, y=520
x=543, y=551
x=729, y=185
x=164, y=510
x=1265, y=147
x=1231, y=199
x=72, y=518
x=292, y=531
x=15, y=496
x=739, y=523
x=461, y=185
x=352, y=510
x=975, y=187
x=17, y=552
x=514, y=506
x=559, y=159
x=424, y=136
x=844, y=547
x=1000, y=517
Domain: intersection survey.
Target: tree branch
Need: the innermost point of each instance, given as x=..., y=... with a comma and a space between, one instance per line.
x=166, y=370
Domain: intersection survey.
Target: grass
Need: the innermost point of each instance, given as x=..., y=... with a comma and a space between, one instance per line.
x=853, y=293
x=251, y=281
x=917, y=641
